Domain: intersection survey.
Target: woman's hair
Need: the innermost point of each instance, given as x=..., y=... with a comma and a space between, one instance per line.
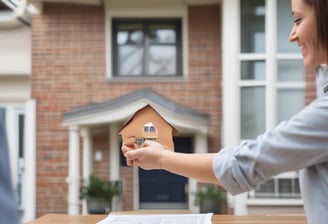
x=320, y=8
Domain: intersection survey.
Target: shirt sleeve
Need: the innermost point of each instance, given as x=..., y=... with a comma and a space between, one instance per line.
x=300, y=142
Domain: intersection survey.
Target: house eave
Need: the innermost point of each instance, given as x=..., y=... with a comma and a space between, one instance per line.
x=121, y=109
x=98, y=2
x=85, y=2
x=181, y=122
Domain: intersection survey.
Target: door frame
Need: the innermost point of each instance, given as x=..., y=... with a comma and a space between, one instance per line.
x=28, y=194
x=199, y=146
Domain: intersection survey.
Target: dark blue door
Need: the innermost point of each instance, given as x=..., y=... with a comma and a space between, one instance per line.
x=162, y=189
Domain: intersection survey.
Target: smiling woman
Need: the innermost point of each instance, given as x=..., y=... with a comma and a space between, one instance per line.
x=308, y=34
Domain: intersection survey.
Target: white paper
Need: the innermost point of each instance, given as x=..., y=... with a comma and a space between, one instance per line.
x=158, y=219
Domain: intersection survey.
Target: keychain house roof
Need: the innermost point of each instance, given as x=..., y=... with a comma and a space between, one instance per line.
x=147, y=123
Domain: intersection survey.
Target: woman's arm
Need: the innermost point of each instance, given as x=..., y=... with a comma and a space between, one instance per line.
x=154, y=156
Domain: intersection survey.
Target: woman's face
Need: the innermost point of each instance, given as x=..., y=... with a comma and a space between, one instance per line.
x=304, y=32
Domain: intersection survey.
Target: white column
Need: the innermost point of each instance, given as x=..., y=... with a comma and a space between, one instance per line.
x=271, y=62
x=200, y=147
x=30, y=162
x=241, y=204
x=87, y=160
x=231, y=71
x=73, y=179
x=230, y=88
x=114, y=153
x=114, y=161
x=135, y=188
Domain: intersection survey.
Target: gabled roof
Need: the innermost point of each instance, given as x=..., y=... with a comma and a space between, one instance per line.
x=122, y=108
x=174, y=131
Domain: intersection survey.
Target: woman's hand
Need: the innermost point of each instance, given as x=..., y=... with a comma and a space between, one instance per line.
x=148, y=157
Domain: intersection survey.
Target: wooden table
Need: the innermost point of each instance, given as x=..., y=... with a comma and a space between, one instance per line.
x=217, y=219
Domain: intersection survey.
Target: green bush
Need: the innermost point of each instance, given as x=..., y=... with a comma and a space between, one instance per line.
x=98, y=188
x=210, y=191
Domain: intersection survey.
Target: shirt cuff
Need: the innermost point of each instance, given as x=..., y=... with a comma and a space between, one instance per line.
x=227, y=171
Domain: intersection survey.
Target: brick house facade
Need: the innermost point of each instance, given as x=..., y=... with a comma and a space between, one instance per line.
x=69, y=70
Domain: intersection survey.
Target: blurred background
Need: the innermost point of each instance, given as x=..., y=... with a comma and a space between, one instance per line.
x=73, y=72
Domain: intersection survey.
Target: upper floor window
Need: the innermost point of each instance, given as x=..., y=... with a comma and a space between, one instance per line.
x=147, y=47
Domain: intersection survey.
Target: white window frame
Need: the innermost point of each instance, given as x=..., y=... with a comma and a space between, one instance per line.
x=13, y=110
x=232, y=84
x=145, y=9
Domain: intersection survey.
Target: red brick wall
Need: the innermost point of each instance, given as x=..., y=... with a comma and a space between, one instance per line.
x=205, y=68
x=68, y=70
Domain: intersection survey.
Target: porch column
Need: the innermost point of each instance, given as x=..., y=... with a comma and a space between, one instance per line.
x=114, y=162
x=230, y=128
x=114, y=153
x=87, y=160
x=200, y=147
x=30, y=159
x=73, y=179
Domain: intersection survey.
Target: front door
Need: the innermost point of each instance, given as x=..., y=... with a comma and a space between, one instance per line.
x=159, y=189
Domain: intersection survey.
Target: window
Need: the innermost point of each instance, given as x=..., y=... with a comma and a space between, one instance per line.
x=147, y=47
x=278, y=188
x=271, y=80
x=149, y=128
x=252, y=26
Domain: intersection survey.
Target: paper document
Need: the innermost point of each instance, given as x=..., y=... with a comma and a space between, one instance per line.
x=158, y=219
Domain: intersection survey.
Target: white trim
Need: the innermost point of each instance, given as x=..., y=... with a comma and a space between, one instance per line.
x=275, y=202
x=263, y=56
x=248, y=83
x=73, y=178
x=87, y=152
x=199, y=147
x=230, y=72
x=287, y=175
x=271, y=63
x=114, y=155
x=252, y=57
x=230, y=88
x=133, y=9
x=289, y=56
x=30, y=162
x=12, y=140
x=87, y=161
x=291, y=85
x=29, y=180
